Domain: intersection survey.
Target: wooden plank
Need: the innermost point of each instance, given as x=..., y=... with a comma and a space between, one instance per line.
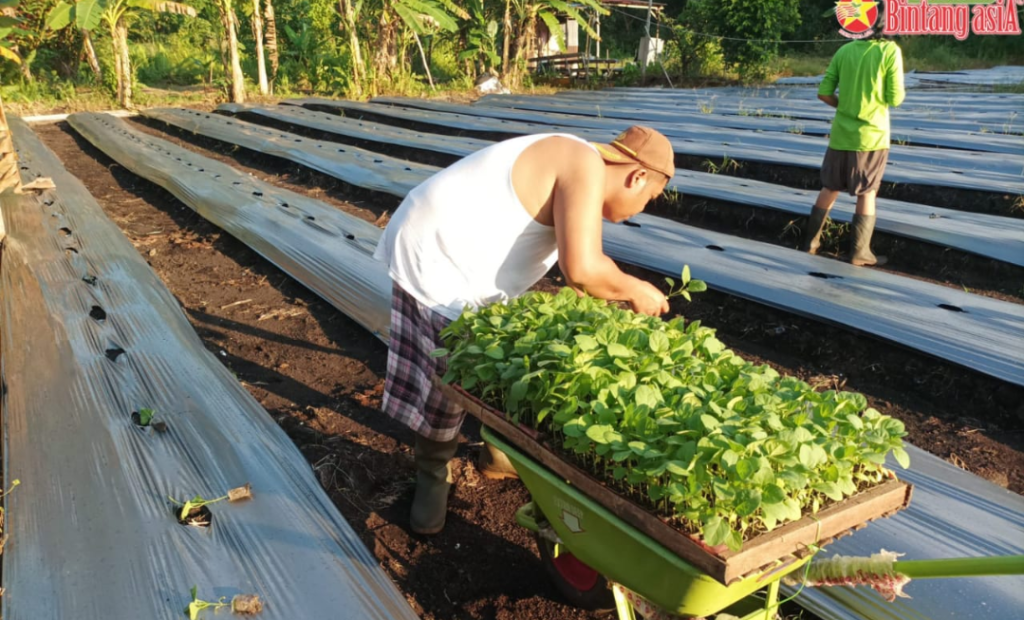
x=878, y=501
x=759, y=552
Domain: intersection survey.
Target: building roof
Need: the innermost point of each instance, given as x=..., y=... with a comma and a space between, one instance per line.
x=633, y=4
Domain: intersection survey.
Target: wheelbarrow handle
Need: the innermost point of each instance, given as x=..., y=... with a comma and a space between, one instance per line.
x=961, y=567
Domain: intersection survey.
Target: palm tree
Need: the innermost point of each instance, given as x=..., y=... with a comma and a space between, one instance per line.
x=117, y=16
x=257, y=31
x=271, y=41
x=232, y=64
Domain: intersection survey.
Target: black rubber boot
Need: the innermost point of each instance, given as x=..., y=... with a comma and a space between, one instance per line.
x=433, y=479
x=815, y=225
x=860, y=243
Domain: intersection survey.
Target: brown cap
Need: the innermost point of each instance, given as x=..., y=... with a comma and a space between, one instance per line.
x=640, y=145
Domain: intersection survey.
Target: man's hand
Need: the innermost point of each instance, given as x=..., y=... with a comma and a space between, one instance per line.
x=647, y=299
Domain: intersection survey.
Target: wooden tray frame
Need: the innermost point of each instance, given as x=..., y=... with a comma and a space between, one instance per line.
x=765, y=550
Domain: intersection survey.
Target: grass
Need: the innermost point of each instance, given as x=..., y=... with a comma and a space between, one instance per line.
x=728, y=165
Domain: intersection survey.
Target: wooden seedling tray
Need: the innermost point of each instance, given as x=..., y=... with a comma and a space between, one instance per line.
x=765, y=550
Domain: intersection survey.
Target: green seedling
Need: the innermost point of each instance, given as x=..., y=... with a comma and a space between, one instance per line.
x=146, y=416
x=4, y=493
x=194, y=504
x=197, y=605
x=233, y=495
x=686, y=286
x=665, y=414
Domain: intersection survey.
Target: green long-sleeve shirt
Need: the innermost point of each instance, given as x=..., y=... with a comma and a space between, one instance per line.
x=869, y=75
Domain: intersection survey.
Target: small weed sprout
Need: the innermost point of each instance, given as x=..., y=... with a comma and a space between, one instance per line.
x=1008, y=126
x=197, y=605
x=728, y=165
x=1018, y=205
x=796, y=129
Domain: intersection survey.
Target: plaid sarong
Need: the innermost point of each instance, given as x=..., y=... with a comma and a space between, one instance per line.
x=409, y=395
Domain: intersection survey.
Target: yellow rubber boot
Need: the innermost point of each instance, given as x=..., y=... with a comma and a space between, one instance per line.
x=494, y=464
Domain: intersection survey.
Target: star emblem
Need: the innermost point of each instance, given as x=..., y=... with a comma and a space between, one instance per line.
x=852, y=11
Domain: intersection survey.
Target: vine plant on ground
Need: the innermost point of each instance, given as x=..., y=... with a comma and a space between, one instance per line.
x=665, y=413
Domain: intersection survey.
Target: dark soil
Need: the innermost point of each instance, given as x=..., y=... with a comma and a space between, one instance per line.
x=320, y=376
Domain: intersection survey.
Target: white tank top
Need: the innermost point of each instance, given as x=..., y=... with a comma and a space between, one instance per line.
x=462, y=237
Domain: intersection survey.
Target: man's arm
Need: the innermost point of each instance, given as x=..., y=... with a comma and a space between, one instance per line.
x=577, y=208
x=894, y=91
x=829, y=83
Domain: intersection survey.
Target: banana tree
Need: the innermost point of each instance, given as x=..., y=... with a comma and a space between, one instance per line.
x=419, y=17
x=350, y=10
x=10, y=24
x=117, y=16
x=528, y=12
x=480, y=32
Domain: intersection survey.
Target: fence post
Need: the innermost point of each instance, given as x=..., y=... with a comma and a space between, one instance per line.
x=9, y=176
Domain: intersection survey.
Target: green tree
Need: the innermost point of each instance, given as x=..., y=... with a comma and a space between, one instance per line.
x=750, y=29
x=117, y=16
x=232, y=62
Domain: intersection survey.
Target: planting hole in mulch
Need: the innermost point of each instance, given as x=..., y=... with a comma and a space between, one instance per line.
x=113, y=353
x=197, y=517
x=824, y=276
x=631, y=224
x=90, y=280
x=716, y=248
x=98, y=314
x=137, y=420
x=952, y=308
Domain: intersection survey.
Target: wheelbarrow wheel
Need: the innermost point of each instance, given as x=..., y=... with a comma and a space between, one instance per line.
x=581, y=585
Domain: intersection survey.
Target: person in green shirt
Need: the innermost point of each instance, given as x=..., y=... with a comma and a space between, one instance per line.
x=869, y=76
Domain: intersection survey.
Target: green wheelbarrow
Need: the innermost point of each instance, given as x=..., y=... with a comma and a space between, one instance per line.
x=598, y=561
x=586, y=548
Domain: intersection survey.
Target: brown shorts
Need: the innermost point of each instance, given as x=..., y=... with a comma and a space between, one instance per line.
x=857, y=172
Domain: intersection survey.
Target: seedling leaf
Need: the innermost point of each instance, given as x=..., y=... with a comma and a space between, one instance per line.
x=665, y=412
x=145, y=416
